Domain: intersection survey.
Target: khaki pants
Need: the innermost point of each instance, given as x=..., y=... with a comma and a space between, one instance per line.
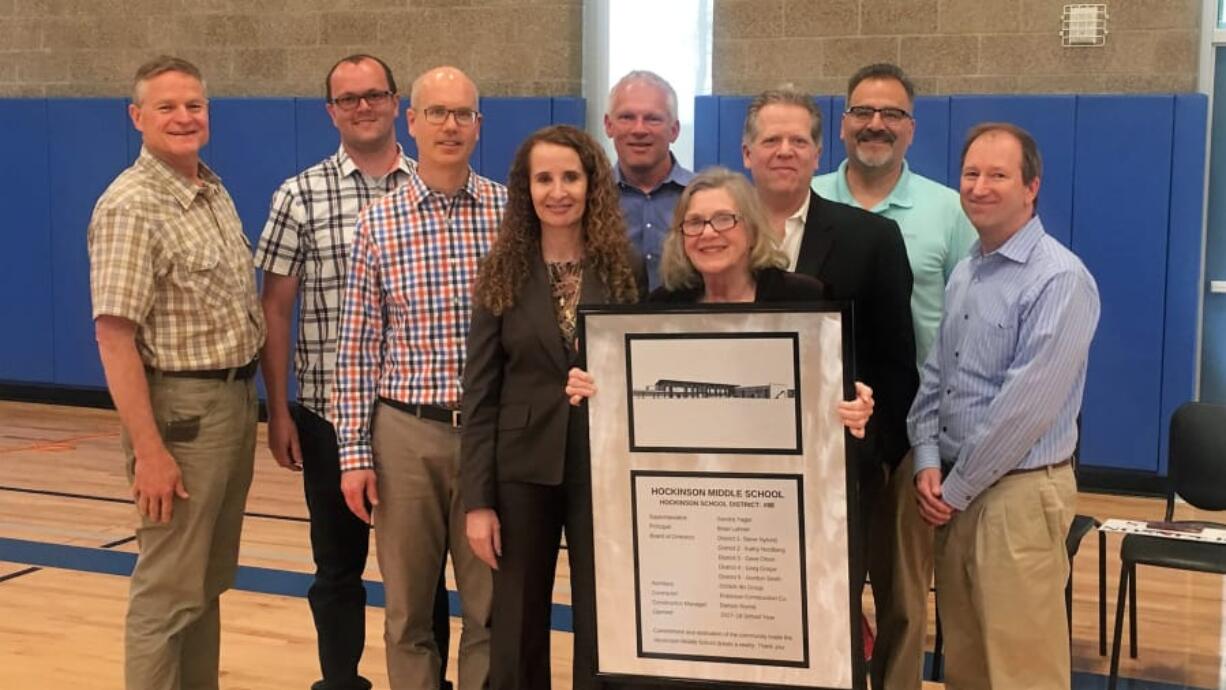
x=903, y=541
x=1001, y=568
x=173, y=631
x=419, y=518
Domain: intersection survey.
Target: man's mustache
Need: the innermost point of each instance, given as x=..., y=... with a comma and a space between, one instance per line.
x=883, y=135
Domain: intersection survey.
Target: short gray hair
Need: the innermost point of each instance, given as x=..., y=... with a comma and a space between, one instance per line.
x=642, y=76
x=158, y=66
x=784, y=95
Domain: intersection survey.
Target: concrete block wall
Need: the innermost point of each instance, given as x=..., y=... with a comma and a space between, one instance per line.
x=953, y=46
x=54, y=48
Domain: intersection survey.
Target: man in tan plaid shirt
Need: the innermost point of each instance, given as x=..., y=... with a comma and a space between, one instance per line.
x=178, y=327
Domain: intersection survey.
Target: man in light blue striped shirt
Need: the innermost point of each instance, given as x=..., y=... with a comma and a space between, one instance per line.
x=994, y=426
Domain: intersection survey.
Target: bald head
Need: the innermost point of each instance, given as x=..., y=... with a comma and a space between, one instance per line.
x=445, y=77
x=445, y=123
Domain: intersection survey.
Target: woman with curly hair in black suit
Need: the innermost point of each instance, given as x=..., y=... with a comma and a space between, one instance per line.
x=524, y=458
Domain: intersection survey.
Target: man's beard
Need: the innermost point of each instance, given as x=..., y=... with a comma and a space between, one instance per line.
x=876, y=159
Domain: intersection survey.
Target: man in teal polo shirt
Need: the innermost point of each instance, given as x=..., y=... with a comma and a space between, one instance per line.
x=877, y=130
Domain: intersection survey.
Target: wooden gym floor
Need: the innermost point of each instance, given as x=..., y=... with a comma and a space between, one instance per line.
x=66, y=542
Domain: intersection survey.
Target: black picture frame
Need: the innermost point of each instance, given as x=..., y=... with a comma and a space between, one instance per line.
x=715, y=391
x=625, y=657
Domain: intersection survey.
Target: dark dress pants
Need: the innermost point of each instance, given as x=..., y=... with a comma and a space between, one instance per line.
x=340, y=543
x=532, y=518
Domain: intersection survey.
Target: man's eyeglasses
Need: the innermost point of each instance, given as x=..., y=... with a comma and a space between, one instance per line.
x=720, y=222
x=373, y=98
x=437, y=115
x=865, y=113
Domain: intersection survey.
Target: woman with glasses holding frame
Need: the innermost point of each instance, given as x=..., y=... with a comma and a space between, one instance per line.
x=719, y=249
x=524, y=466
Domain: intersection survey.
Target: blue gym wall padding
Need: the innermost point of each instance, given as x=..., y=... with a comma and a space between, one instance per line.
x=1122, y=185
x=1183, y=262
x=87, y=148
x=1120, y=226
x=26, y=263
x=509, y=121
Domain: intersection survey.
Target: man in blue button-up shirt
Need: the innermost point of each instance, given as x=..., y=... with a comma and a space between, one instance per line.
x=642, y=122
x=994, y=426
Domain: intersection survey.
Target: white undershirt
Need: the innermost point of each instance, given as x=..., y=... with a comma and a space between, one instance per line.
x=793, y=232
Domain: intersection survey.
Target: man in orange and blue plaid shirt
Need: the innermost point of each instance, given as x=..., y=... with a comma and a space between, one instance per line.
x=395, y=399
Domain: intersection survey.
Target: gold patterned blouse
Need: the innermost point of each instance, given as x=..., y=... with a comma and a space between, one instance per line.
x=565, y=280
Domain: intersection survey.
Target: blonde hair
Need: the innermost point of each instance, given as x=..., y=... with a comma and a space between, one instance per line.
x=676, y=270
x=784, y=95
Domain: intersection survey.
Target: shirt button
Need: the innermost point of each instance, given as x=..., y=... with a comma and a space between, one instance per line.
x=455, y=301
x=966, y=316
x=949, y=391
x=956, y=355
x=649, y=226
x=944, y=428
x=649, y=257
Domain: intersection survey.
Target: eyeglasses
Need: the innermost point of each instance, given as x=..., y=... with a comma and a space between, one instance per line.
x=437, y=115
x=373, y=98
x=720, y=222
x=865, y=113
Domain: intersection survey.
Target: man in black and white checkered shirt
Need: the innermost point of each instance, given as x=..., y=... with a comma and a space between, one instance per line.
x=304, y=250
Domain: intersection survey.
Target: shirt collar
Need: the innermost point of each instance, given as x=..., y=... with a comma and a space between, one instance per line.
x=802, y=213
x=900, y=196
x=1019, y=247
x=347, y=167
x=182, y=189
x=677, y=175
x=419, y=192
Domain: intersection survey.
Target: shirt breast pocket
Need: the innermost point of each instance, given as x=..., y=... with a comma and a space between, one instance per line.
x=989, y=347
x=197, y=271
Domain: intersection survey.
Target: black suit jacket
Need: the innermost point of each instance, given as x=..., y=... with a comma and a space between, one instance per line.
x=515, y=409
x=860, y=256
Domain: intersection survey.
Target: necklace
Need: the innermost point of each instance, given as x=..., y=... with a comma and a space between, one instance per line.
x=565, y=280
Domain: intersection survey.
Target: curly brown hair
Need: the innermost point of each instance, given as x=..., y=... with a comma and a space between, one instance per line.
x=606, y=246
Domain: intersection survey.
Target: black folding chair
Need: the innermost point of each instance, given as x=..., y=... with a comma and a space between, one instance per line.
x=1196, y=473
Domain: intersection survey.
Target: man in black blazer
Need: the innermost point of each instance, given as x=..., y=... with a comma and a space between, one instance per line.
x=860, y=256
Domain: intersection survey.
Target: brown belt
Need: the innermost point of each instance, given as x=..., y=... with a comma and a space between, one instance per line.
x=946, y=467
x=1053, y=466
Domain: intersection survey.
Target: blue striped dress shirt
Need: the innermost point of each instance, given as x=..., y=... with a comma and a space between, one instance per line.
x=649, y=215
x=1002, y=386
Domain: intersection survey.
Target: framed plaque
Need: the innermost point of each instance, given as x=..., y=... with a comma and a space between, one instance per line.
x=721, y=492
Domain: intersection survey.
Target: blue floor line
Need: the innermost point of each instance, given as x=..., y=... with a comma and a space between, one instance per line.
x=248, y=579
x=291, y=584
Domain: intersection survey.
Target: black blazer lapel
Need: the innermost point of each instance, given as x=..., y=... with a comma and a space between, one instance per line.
x=537, y=303
x=818, y=239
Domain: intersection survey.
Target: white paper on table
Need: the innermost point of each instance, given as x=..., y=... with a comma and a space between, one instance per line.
x=1188, y=531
